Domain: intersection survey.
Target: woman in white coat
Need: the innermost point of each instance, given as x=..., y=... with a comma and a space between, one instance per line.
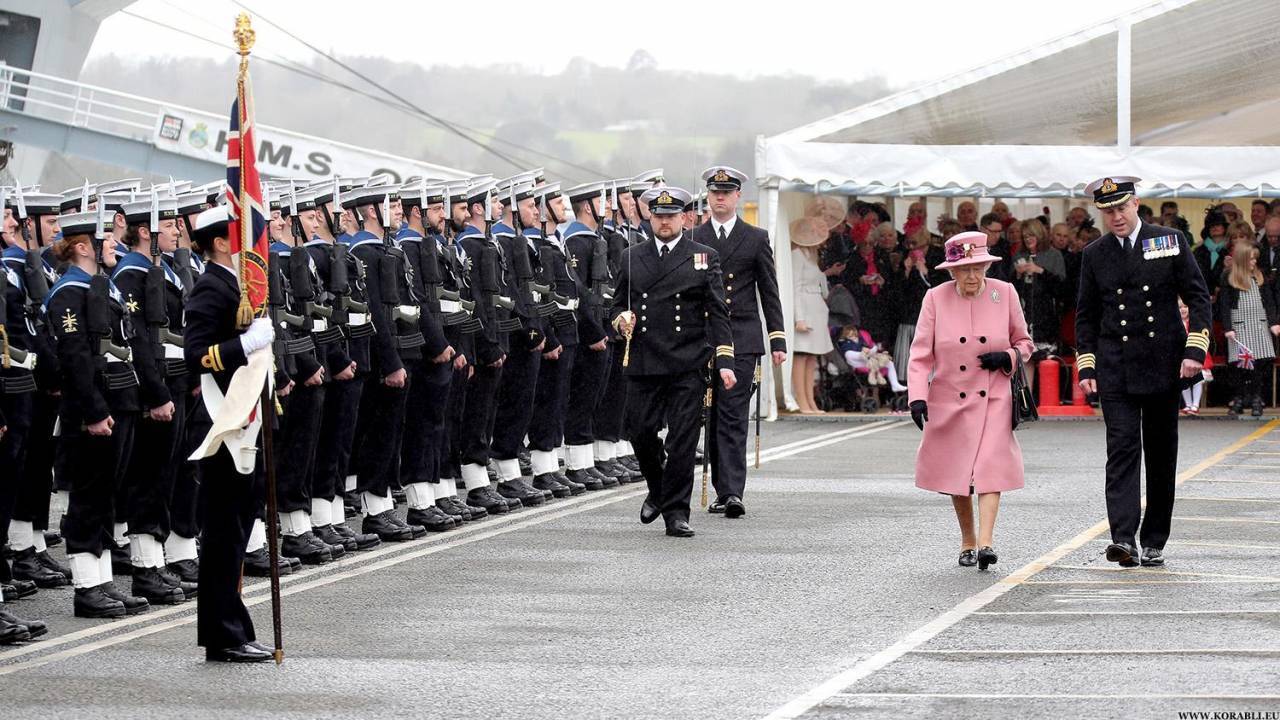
x=812, y=336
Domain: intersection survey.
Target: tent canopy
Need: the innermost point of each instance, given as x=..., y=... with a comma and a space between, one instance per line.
x=1175, y=93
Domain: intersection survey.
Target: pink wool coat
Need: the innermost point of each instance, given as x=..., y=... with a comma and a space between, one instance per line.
x=968, y=439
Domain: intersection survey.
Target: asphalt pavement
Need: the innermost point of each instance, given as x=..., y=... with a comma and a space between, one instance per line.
x=838, y=595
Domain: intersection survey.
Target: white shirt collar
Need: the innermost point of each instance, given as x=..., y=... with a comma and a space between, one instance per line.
x=1134, y=235
x=669, y=245
x=728, y=226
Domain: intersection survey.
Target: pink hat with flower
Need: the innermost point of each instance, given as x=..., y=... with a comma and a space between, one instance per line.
x=967, y=248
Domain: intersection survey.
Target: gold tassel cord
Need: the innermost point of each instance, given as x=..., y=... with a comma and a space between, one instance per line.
x=244, y=36
x=706, y=468
x=5, y=360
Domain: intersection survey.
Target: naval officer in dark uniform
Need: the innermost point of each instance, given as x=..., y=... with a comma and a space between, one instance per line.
x=670, y=302
x=1133, y=350
x=746, y=259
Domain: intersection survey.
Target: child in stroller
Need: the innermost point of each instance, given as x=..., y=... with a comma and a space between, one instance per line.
x=862, y=370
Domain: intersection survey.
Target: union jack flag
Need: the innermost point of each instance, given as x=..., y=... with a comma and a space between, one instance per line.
x=1244, y=357
x=249, y=246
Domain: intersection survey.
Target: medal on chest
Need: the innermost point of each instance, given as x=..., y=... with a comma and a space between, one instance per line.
x=1163, y=246
x=699, y=261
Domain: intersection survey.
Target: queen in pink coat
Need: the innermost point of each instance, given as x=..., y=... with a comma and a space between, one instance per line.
x=958, y=386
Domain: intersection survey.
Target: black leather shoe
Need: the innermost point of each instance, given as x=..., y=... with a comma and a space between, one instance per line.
x=575, y=488
x=258, y=564
x=150, y=586
x=547, y=482
x=433, y=519
x=613, y=468
x=733, y=507
x=364, y=541
x=1123, y=553
x=132, y=605
x=333, y=539
x=52, y=538
x=27, y=566
x=456, y=508
x=306, y=547
x=485, y=497
x=387, y=527
x=186, y=570
x=629, y=462
x=11, y=633
x=95, y=603
x=46, y=560
x=717, y=507
x=605, y=480
x=120, y=562
x=514, y=491
x=527, y=485
x=648, y=511
x=968, y=558
x=189, y=589
x=679, y=528
x=1152, y=557
x=986, y=556
x=247, y=653
x=585, y=479
x=35, y=628
x=16, y=588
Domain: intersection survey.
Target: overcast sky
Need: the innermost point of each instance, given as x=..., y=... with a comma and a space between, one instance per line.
x=907, y=42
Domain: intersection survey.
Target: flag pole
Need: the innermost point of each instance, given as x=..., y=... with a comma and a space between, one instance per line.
x=244, y=37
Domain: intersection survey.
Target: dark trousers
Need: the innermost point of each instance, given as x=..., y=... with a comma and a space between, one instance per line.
x=228, y=505
x=586, y=384
x=337, y=433
x=546, y=429
x=378, y=433
x=95, y=468
x=295, y=447
x=454, y=410
x=38, y=474
x=607, y=424
x=422, y=448
x=515, y=406
x=673, y=402
x=730, y=421
x=184, y=517
x=474, y=435
x=148, y=481
x=16, y=410
x=1141, y=427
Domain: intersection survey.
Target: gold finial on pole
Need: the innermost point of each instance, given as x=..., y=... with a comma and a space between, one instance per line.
x=244, y=34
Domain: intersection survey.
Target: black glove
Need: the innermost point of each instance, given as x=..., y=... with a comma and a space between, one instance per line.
x=920, y=413
x=996, y=361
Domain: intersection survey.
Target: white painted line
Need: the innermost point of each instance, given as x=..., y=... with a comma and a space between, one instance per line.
x=1242, y=482
x=1192, y=518
x=861, y=669
x=1184, y=498
x=1054, y=696
x=1202, y=543
x=1109, y=651
x=835, y=433
x=1147, y=582
x=368, y=561
x=1162, y=572
x=1123, y=613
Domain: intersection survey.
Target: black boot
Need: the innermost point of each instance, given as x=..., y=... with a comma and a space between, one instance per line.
x=52, y=538
x=387, y=527
x=456, y=508
x=330, y=537
x=35, y=628
x=585, y=479
x=258, y=564
x=189, y=589
x=1257, y=406
x=188, y=571
x=629, y=462
x=364, y=541
x=1235, y=407
x=307, y=548
x=148, y=583
x=132, y=605
x=575, y=488
x=605, y=480
x=47, y=561
x=515, y=491
x=432, y=518
x=485, y=497
x=94, y=602
x=16, y=588
x=548, y=482
x=27, y=566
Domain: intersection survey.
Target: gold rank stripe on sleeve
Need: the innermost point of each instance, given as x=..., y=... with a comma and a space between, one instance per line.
x=724, y=351
x=1199, y=340
x=777, y=335
x=212, y=359
x=1087, y=361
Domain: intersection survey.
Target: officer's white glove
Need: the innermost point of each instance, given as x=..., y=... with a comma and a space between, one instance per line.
x=259, y=335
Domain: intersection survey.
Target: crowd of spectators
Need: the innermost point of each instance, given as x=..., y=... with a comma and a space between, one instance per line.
x=885, y=273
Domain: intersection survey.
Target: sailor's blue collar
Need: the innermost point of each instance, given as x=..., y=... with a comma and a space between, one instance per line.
x=75, y=276
x=501, y=228
x=470, y=231
x=135, y=261
x=15, y=252
x=363, y=237
x=576, y=228
x=408, y=233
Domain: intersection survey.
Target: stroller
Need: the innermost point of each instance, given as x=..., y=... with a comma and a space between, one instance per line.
x=842, y=386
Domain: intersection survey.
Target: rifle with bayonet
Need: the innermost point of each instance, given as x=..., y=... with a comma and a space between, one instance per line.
x=303, y=281
x=99, y=316
x=395, y=278
x=34, y=278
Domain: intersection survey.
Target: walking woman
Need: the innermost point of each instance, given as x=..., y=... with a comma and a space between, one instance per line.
x=1247, y=309
x=969, y=333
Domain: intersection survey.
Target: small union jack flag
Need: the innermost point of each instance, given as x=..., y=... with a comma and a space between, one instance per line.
x=249, y=246
x=1244, y=357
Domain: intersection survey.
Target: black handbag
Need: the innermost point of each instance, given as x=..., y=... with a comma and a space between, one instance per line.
x=1024, y=403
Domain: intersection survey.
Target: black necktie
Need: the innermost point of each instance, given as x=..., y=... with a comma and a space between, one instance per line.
x=722, y=235
x=662, y=254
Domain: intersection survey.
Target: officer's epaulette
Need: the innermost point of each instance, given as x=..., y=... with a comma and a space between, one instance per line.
x=73, y=277
x=576, y=228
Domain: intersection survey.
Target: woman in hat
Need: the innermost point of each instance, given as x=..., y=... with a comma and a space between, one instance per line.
x=969, y=335
x=812, y=337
